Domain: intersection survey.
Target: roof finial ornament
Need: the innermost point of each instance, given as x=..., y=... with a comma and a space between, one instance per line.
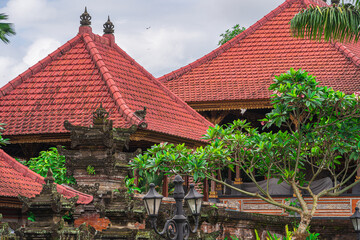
x=141, y=113
x=100, y=116
x=85, y=18
x=108, y=27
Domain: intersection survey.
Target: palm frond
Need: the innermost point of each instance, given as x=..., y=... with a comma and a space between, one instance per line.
x=336, y=22
x=6, y=29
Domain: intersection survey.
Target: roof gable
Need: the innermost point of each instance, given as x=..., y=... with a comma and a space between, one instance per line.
x=88, y=70
x=243, y=68
x=17, y=179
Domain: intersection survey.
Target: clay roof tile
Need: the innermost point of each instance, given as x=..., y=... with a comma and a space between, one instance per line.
x=243, y=68
x=16, y=179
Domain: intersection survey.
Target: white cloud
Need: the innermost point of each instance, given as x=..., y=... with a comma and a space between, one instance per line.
x=159, y=49
x=28, y=12
x=181, y=31
x=9, y=69
x=40, y=49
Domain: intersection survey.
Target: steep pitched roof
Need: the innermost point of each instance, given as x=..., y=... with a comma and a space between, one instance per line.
x=243, y=68
x=17, y=179
x=88, y=70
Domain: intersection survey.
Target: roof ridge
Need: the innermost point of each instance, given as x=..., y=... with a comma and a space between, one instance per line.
x=39, y=66
x=347, y=53
x=316, y=2
x=26, y=172
x=223, y=48
x=107, y=77
x=158, y=83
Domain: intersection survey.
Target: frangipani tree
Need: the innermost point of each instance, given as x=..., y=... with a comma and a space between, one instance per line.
x=339, y=22
x=320, y=131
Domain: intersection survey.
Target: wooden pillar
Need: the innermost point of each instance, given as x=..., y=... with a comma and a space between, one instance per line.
x=165, y=186
x=187, y=183
x=238, y=179
x=206, y=190
x=136, y=176
x=213, y=193
x=219, y=185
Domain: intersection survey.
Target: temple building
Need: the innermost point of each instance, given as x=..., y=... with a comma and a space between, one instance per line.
x=72, y=82
x=94, y=99
x=232, y=81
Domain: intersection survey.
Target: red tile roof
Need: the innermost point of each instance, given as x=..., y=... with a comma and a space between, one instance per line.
x=243, y=68
x=88, y=70
x=17, y=179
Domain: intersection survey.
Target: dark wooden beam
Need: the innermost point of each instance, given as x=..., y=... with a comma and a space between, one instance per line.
x=230, y=105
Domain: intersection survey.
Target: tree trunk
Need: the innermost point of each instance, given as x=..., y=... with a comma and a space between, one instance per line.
x=301, y=232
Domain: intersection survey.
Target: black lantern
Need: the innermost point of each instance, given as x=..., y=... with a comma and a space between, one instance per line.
x=194, y=200
x=152, y=201
x=355, y=219
x=178, y=227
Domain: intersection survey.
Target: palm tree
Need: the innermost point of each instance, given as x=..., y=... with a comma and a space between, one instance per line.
x=339, y=22
x=6, y=29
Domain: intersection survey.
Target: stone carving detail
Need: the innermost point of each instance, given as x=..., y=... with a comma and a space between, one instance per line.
x=85, y=18
x=101, y=148
x=91, y=190
x=48, y=208
x=141, y=113
x=100, y=116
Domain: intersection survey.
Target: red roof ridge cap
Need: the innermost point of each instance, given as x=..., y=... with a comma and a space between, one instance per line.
x=219, y=50
x=26, y=172
x=347, y=53
x=158, y=83
x=315, y=3
x=114, y=90
x=37, y=67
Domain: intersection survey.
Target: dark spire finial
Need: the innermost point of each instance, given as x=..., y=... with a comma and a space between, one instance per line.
x=49, y=177
x=108, y=27
x=85, y=18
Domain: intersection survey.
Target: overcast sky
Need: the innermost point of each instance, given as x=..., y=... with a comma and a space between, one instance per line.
x=162, y=35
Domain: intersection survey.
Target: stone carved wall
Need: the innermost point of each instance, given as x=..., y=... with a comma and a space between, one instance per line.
x=98, y=158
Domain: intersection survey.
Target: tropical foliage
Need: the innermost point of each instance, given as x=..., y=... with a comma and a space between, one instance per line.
x=3, y=141
x=6, y=29
x=338, y=22
x=230, y=34
x=319, y=133
x=51, y=159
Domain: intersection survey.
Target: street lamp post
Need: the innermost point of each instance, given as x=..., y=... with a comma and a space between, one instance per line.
x=355, y=219
x=177, y=228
